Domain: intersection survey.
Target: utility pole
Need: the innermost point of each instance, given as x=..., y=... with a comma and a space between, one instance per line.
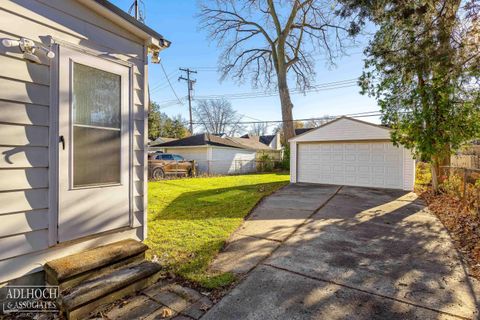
x=190, y=83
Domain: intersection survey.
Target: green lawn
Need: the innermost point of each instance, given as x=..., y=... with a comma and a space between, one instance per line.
x=190, y=219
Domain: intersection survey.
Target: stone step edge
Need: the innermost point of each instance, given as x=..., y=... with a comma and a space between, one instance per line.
x=100, y=287
x=73, y=281
x=69, y=266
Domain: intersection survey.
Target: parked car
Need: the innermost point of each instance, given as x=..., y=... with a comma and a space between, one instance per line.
x=162, y=164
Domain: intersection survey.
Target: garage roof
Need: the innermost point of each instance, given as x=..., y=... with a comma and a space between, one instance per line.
x=345, y=129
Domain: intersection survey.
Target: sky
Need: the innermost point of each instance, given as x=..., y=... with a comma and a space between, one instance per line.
x=176, y=20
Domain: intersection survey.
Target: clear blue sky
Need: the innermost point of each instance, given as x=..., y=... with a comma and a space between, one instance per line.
x=176, y=21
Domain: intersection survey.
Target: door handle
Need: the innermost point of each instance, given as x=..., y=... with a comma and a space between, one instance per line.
x=62, y=140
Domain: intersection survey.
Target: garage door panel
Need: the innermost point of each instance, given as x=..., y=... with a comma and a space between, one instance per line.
x=371, y=164
x=350, y=157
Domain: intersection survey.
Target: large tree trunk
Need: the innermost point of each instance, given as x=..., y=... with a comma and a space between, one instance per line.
x=287, y=105
x=435, y=170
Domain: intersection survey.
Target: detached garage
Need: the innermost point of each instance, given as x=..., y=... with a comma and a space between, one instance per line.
x=351, y=152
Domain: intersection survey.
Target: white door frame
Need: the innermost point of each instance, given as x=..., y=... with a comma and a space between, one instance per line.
x=53, y=147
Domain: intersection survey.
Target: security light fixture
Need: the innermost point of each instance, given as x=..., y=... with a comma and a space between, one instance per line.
x=29, y=49
x=156, y=56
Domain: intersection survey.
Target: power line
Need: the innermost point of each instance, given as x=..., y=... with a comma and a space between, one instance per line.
x=169, y=83
x=351, y=115
x=258, y=94
x=213, y=68
x=164, y=84
x=272, y=94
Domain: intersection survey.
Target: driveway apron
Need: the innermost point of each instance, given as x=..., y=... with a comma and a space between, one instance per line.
x=365, y=254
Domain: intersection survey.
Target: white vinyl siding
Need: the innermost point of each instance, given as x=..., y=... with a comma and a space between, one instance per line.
x=232, y=160
x=25, y=122
x=345, y=129
x=217, y=160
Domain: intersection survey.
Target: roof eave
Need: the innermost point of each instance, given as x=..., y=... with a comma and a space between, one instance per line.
x=335, y=120
x=152, y=39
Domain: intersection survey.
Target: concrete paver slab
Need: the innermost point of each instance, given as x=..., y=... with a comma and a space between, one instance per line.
x=136, y=308
x=242, y=254
x=273, y=223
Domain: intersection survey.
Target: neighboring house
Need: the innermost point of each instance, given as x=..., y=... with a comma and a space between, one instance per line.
x=272, y=140
x=351, y=152
x=217, y=155
x=300, y=131
x=73, y=129
x=161, y=140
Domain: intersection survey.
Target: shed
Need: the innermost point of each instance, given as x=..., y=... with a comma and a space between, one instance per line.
x=73, y=129
x=348, y=151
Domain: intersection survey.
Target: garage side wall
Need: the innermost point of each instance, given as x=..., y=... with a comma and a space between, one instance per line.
x=232, y=161
x=408, y=170
x=293, y=162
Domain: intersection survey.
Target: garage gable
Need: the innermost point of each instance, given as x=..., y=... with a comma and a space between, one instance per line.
x=345, y=129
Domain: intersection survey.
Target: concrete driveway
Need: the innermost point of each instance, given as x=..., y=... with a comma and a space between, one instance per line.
x=347, y=253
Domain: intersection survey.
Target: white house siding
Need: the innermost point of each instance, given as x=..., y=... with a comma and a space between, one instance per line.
x=345, y=129
x=232, y=160
x=25, y=121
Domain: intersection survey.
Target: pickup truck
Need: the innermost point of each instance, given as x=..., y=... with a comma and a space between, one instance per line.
x=161, y=165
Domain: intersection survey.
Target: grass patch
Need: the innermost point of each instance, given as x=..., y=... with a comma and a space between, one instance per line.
x=190, y=219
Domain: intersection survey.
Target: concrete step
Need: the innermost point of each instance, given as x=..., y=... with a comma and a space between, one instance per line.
x=71, y=270
x=86, y=297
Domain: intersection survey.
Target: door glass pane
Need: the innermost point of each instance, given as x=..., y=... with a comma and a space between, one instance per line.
x=96, y=114
x=96, y=97
x=95, y=156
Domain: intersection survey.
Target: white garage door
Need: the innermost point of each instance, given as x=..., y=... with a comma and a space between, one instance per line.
x=368, y=164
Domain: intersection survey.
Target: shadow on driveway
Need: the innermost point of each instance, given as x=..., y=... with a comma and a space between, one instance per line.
x=366, y=254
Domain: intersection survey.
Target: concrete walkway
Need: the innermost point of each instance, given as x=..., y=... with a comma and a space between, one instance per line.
x=365, y=254
x=271, y=222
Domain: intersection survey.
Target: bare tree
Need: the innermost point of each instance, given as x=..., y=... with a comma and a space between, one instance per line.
x=217, y=117
x=274, y=41
x=258, y=129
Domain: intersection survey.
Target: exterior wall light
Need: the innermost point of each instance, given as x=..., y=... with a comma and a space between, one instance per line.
x=29, y=49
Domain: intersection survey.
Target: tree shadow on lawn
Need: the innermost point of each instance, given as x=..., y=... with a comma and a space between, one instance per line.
x=231, y=202
x=186, y=235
